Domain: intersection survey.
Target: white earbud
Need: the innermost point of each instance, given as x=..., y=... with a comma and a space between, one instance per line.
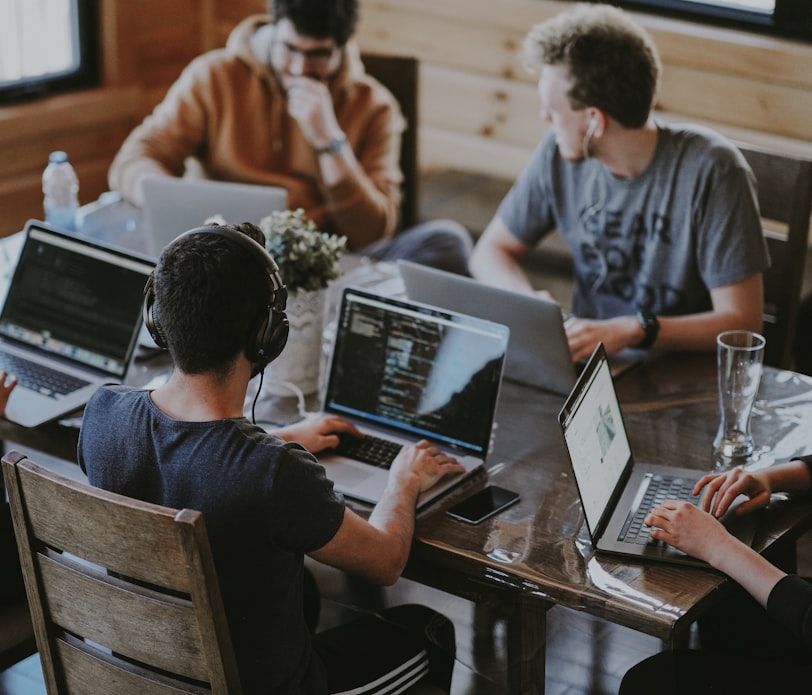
x=590, y=131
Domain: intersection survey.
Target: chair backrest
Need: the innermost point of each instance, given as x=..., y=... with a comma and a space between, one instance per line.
x=123, y=594
x=785, y=201
x=399, y=75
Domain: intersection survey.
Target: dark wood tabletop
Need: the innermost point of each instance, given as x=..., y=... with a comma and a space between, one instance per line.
x=537, y=553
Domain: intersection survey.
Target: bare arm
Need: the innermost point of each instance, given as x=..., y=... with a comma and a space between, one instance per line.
x=720, y=490
x=698, y=533
x=496, y=256
x=379, y=548
x=360, y=196
x=736, y=306
x=701, y=535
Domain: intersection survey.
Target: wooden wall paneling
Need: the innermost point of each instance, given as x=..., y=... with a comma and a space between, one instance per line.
x=442, y=148
x=229, y=14
x=760, y=105
x=740, y=83
x=488, y=107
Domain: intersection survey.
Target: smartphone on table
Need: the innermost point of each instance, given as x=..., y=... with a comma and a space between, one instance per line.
x=483, y=504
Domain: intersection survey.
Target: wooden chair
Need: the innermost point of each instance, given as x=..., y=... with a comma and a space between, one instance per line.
x=785, y=200
x=123, y=594
x=399, y=75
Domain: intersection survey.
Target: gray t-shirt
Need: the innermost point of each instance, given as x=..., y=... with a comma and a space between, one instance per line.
x=659, y=242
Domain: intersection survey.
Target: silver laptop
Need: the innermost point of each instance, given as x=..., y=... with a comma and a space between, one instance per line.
x=616, y=492
x=174, y=205
x=538, y=354
x=69, y=322
x=403, y=372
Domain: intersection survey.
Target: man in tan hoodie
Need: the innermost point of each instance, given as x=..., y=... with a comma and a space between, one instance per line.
x=287, y=103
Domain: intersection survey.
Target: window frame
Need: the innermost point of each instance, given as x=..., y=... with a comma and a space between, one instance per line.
x=790, y=19
x=87, y=74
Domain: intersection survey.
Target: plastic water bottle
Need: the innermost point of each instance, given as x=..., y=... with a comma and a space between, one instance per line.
x=60, y=189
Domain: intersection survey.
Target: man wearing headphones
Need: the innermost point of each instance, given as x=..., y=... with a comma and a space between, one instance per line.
x=661, y=220
x=216, y=301
x=287, y=103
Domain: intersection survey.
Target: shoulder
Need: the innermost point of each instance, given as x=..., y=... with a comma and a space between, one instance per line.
x=363, y=90
x=702, y=143
x=110, y=396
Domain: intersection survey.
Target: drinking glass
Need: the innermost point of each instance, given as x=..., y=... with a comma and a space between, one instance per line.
x=740, y=356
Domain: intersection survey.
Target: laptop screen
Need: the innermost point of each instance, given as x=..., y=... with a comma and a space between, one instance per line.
x=596, y=438
x=76, y=300
x=423, y=371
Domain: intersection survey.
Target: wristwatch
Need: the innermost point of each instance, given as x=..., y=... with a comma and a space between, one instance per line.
x=651, y=326
x=334, y=146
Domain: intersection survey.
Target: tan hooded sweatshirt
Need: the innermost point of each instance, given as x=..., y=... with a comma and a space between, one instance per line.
x=227, y=111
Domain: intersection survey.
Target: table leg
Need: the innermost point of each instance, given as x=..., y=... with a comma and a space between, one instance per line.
x=526, y=647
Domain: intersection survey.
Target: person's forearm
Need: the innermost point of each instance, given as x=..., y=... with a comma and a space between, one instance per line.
x=746, y=567
x=357, y=209
x=394, y=515
x=789, y=477
x=493, y=266
x=697, y=332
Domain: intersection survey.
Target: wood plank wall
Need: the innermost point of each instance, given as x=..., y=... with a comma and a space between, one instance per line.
x=478, y=105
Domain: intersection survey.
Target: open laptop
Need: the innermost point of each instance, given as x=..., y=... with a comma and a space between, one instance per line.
x=69, y=322
x=404, y=372
x=174, y=205
x=538, y=354
x=616, y=492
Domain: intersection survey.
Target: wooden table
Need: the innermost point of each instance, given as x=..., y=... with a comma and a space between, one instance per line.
x=537, y=553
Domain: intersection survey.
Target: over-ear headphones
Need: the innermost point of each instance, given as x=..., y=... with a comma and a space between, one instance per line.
x=268, y=338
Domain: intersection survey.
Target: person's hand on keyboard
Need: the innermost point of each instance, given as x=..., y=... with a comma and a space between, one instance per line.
x=7, y=384
x=317, y=432
x=425, y=462
x=721, y=490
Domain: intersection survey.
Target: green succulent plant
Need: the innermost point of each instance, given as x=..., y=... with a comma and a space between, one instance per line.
x=307, y=258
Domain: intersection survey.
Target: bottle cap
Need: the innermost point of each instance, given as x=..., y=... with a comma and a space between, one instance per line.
x=58, y=157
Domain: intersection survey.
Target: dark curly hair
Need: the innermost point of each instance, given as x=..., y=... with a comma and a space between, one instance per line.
x=320, y=19
x=613, y=63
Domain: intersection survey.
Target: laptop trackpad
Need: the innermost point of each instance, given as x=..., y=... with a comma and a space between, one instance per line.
x=347, y=476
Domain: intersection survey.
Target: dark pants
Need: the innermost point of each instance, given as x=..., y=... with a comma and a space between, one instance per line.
x=11, y=576
x=404, y=644
x=744, y=651
x=442, y=244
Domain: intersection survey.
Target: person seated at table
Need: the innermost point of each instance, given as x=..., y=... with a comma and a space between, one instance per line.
x=287, y=103
x=661, y=220
x=217, y=302
x=12, y=589
x=757, y=652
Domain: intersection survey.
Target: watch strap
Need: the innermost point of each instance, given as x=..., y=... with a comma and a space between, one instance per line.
x=334, y=146
x=651, y=326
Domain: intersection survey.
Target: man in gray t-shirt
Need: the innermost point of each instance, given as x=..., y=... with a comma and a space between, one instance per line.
x=662, y=221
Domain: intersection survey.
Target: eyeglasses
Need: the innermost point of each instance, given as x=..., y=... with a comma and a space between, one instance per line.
x=318, y=58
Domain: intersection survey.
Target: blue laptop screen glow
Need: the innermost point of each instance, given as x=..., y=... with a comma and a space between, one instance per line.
x=424, y=371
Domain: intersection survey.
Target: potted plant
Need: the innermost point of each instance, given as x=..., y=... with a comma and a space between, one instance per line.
x=308, y=259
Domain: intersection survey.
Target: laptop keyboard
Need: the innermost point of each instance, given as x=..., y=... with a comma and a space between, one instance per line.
x=37, y=377
x=660, y=487
x=372, y=450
